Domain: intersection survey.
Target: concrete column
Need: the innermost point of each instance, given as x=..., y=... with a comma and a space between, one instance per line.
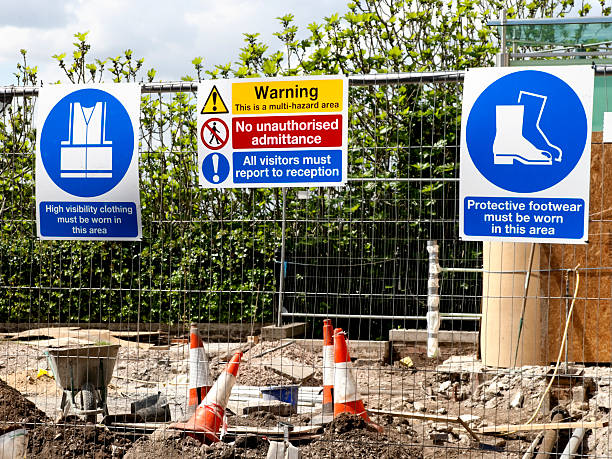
x=503, y=288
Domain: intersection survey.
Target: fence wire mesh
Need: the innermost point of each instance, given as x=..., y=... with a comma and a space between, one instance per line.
x=356, y=255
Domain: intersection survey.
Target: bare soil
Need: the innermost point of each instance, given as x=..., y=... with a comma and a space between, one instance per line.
x=55, y=441
x=179, y=446
x=253, y=371
x=61, y=441
x=16, y=409
x=349, y=436
x=33, y=400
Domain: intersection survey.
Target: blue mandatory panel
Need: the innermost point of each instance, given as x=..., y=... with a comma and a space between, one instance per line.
x=88, y=219
x=524, y=217
x=526, y=132
x=303, y=166
x=87, y=143
x=86, y=148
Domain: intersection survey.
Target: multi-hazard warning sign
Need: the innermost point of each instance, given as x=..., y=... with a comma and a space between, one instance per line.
x=273, y=132
x=214, y=103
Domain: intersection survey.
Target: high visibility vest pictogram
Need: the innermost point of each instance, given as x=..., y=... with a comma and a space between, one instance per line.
x=87, y=153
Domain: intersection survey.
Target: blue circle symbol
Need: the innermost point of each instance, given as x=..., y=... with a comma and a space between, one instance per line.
x=215, y=168
x=526, y=131
x=87, y=143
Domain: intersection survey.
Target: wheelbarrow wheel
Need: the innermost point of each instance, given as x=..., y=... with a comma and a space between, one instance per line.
x=88, y=401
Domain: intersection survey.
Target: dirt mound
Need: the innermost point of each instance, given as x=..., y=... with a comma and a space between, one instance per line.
x=257, y=419
x=171, y=447
x=179, y=446
x=245, y=446
x=349, y=436
x=14, y=407
x=348, y=422
x=55, y=441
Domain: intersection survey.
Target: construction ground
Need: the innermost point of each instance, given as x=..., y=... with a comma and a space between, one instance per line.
x=451, y=405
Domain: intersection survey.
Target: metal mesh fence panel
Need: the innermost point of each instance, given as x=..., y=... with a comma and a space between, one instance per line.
x=356, y=255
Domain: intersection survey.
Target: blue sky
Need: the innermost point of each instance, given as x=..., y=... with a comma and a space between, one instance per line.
x=167, y=34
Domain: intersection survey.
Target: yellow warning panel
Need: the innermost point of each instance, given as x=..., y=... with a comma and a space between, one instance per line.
x=287, y=96
x=214, y=103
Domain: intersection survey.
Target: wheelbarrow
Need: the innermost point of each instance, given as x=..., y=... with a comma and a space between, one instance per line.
x=83, y=373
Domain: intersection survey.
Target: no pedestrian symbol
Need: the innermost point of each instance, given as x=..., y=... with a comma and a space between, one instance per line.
x=214, y=133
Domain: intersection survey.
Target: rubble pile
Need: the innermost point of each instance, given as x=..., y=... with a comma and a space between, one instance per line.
x=416, y=409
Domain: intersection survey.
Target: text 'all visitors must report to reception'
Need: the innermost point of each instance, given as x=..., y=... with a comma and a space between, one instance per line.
x=293, y=133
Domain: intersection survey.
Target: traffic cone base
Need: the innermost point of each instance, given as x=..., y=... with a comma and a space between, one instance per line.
x=328, y=397
x=206, y=422
x=355, y=407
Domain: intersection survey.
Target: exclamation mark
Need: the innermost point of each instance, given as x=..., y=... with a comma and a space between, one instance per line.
x=214, y=94
x=215, y=161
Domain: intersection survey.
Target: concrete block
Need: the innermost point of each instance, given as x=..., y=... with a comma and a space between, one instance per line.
x=438, y=437
x=444, y=336
x=418, y=406
x=580, y=394
x=470, y=419
x=290, y=369
x=244, y=406
x=517, y=400
x=275, y=407
x=293, y=330
x=358, y=349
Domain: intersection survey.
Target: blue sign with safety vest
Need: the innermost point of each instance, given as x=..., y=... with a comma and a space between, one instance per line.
x=87, y=163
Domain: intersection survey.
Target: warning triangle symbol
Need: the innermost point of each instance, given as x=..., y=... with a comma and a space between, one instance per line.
x=214, y=103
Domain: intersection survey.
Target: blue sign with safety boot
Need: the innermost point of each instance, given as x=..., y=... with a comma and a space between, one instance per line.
x=525, y=154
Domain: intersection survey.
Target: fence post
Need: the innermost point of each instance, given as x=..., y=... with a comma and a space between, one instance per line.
x=281, y=284
x=433, y=300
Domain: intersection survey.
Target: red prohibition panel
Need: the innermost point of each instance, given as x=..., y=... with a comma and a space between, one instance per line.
x=292, y=131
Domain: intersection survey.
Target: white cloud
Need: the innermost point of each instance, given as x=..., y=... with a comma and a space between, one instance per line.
x=167, y=34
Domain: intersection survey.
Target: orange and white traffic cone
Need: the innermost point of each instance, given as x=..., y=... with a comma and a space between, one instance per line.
x=199, y=371
x=346, y=396
x=208, y=417
x=328, y=367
